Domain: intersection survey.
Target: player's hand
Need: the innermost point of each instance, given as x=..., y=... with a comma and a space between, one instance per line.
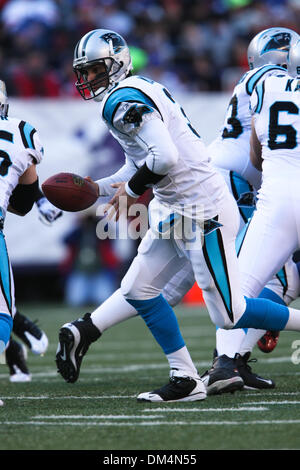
x=119, y=203
x=48, y=212
x=89, y=179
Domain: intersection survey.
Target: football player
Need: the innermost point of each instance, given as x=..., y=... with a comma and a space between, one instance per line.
x=230, y=153
x=267, y=53
x=163, y=150
x=25, y=329
x=21, y=151
x=274, y=150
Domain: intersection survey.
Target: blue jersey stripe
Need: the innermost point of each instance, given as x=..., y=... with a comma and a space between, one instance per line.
x=27, y=132
x=260, y=91
x=128, y=94
x=241, y=237
x=251, y=83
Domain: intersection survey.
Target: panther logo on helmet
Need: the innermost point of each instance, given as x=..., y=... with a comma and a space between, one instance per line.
x=271, y=46
x=116, y=40
x=279, y=41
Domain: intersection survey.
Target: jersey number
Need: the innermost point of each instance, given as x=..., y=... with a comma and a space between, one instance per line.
x=275, y=129
x=233, y=121
x=5, y=164
x=168, y=94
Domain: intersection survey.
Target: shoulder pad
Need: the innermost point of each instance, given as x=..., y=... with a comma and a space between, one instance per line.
x=257, y=74
x=123, y=95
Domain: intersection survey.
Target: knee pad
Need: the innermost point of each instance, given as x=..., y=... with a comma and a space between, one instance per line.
x=135, y=284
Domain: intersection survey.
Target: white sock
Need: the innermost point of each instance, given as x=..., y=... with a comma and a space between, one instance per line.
x=293, y=323
x=250, y=340
x=114, y=310
x=182, y=361
x=228, y=341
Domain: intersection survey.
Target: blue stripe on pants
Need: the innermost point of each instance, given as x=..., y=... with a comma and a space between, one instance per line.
x=6, y=324
x=5, y=280
x=214, y=255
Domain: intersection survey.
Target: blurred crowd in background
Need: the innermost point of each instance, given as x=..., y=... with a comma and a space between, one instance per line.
x=188, y=45
x=195, y=45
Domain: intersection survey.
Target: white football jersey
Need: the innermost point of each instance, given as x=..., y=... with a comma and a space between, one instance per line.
x=231, y=149
x=276, y=106
x=192, y=180
x=18, y=142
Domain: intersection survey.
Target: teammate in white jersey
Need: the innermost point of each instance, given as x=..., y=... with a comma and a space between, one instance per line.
x=30, y=334
x=231, y=151
x=20, y=152
x=275, y=140
x=163, y=150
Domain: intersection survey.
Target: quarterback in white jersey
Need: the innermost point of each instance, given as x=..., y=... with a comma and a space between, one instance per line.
x=154, y=133
x=186, y=179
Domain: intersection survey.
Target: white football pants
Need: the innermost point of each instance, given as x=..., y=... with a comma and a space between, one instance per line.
x=272, y=235
x=214, y=264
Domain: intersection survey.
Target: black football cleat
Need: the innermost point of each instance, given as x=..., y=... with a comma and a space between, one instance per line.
x=15, y=355
x=251, y=380
x=177, y=389
x=30, y=334
x=74, y=341
x=223, y=377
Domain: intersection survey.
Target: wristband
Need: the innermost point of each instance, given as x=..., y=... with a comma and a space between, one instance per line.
x=142, y=180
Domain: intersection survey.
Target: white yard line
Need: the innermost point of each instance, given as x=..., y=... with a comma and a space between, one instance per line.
x=45, y=397
x=200, y=410
x=149, y=423
x=96, y=416
x=285, y=402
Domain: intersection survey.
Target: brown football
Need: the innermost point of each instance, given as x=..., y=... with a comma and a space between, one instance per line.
x=69, y=192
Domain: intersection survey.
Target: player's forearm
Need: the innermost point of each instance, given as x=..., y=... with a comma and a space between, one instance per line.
x=123, y=174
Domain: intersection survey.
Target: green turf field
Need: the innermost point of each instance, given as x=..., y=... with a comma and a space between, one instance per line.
x=100, y=412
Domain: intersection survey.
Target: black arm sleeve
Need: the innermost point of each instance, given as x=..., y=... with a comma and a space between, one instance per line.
x=24, y=196
x=143, y=179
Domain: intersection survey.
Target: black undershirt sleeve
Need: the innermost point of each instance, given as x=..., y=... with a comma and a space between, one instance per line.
x=143, y=179
x=24, y=196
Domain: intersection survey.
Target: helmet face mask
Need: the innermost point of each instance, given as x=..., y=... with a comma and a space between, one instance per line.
x=100, y=48
x=271, y=46
x=89, y=89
